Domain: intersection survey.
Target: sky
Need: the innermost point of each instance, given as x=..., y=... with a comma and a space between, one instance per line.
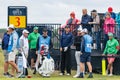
x=55, y=11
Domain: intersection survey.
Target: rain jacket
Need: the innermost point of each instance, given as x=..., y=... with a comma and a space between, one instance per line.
x=109, y=25
x=111, y=47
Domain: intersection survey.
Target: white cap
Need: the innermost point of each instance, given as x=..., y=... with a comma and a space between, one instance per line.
x=80, y=28
x=85, y=30
x=25, y=31
x=11, y=26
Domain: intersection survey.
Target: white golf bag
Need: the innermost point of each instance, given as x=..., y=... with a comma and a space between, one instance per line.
x=45, y=63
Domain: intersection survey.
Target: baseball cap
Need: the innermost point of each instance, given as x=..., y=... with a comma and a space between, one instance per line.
x=35, y=28
x=110, y=9
x=110, y=34
x=25, y=31
x=85, y=30
x=11, y=26
x=79, y=29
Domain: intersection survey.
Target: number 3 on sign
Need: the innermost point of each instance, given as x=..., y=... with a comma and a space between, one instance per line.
x=18, y=21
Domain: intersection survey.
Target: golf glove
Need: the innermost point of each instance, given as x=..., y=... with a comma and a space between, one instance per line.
x=65, y=49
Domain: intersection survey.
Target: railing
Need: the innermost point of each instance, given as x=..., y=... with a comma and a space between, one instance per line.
x=53, y=32
x=90, y=27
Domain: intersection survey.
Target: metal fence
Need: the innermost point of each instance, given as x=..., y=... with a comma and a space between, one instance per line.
x=53, y=32
x=91, y=31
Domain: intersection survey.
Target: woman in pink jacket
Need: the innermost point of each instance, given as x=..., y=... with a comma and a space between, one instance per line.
x=109, y=26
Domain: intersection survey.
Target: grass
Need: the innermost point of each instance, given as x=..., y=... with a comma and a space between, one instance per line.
x=55, y=75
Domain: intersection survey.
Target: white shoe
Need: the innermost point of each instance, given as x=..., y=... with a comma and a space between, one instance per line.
x=110, y=75
x=68, y=74
x=19, y=74
x=75, y=76
x=61, y=74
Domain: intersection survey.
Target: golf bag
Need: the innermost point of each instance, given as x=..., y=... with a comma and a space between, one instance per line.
x=45, y=63
x=21, y=62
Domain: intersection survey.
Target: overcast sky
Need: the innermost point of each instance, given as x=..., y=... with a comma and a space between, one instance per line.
x=55, y=11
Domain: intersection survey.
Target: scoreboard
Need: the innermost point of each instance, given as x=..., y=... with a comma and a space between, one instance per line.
x=17, y=15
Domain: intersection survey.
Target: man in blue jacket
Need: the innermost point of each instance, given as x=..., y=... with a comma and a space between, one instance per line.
x=5, y=42
x=85, y=20
x=65, y=42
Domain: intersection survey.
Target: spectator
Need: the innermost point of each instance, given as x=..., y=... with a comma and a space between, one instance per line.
x=77, y=43
x=12, y=49
x=85, y=20
x=108, y=26
x=65, y=42
x=5, y=42
x=96, y=28
x=111, y=49
x=24, y=47
x=113, y=15
x=32, y=37
x=73, y=22
x=85, y=57
x=118, y=26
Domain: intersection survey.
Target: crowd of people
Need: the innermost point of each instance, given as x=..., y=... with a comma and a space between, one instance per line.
x=72, y=34
x=91, y=25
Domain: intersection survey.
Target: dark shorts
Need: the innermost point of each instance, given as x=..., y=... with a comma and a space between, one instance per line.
x=33, y=54
x=85, y=57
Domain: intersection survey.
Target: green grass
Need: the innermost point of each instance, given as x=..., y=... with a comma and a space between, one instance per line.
x=54, y=76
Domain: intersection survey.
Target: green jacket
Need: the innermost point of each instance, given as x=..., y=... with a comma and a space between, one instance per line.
x=33, y=40
x=111, y=47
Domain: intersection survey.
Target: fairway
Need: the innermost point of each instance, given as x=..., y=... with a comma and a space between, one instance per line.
x=55, y=75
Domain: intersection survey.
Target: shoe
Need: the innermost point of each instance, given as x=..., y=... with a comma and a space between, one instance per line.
x=75, y=76
x=81, y=75
x=11, y=76
x=110, y=75
x=22, y=76
x=68, y=74
x=19, y=74
x=90, y=76
x=61, y=74
x=8, y=75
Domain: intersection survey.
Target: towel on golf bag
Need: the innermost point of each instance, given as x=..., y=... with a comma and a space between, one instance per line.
x=47, y=66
